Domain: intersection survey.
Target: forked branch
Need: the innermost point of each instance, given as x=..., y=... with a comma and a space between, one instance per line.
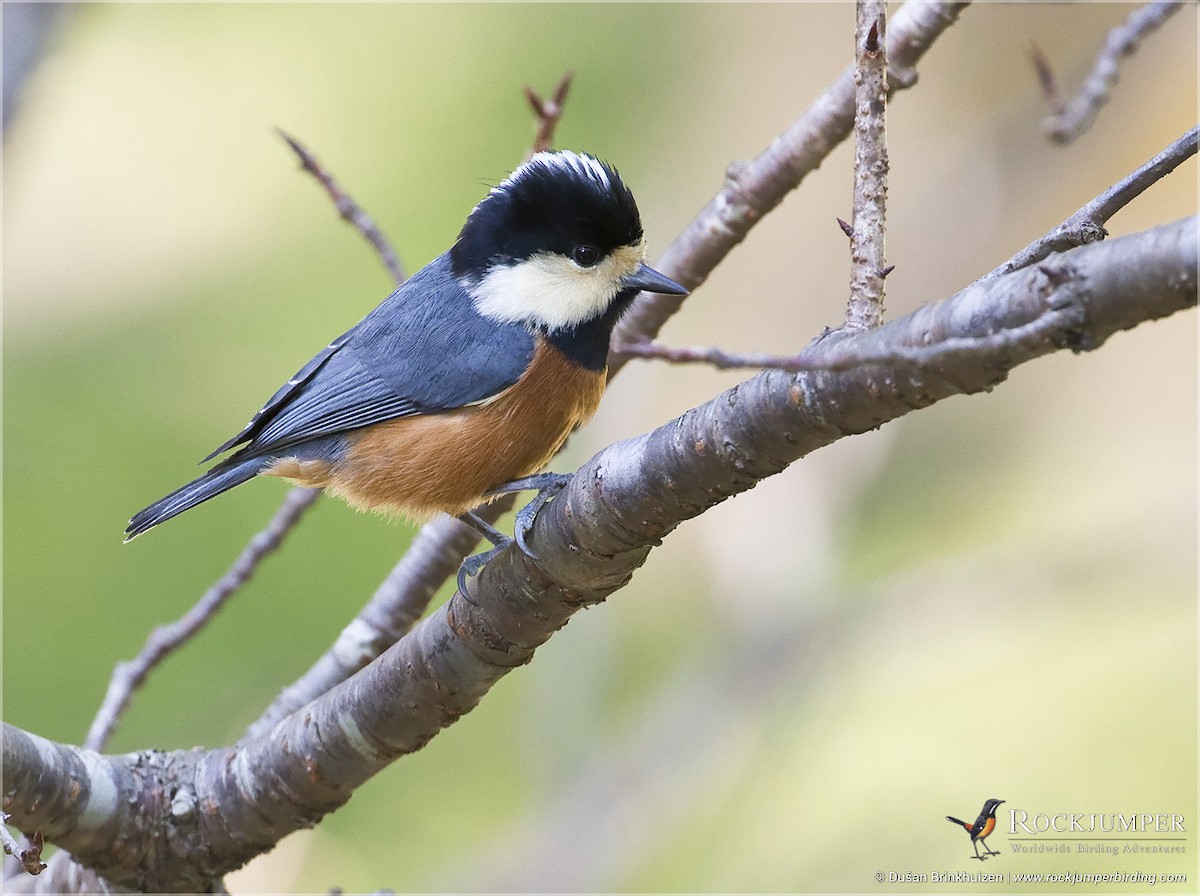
x=548, y=112
x=1069, y=119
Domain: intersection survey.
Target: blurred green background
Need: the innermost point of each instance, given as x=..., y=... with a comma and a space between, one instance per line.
x=993, y=597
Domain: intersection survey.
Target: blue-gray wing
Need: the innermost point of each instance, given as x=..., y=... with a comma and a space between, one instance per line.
x=423, y=349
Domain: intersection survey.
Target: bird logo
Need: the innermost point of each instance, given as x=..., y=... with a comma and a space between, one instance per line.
x=981, y=829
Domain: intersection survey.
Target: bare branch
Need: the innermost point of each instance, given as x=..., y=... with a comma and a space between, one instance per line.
x=128, y=677
x=649, y=349
x=867, y=236
x=350, y=211
x=752, y=189
x=813, y=358
x=1068, y=120
x=548, y=112
x=1087, y=224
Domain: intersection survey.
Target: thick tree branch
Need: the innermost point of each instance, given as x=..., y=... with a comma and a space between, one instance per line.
x=228, y=805
x=313, y=759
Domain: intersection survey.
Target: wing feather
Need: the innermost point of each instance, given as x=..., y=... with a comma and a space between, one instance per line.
x=423, y=349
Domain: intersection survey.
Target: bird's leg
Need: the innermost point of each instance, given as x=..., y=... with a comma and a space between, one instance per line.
x=988, y=849
x=475, y=562
x=486, y=529
x=975, y=843
x=548, y=485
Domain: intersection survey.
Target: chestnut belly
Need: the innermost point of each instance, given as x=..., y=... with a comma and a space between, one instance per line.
x=447, y=461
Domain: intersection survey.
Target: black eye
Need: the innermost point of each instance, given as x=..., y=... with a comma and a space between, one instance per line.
x=585, y=256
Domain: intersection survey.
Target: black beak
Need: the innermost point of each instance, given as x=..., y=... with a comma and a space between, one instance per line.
x=650, y=280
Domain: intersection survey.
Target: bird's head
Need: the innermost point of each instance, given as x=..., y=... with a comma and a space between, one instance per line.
x=557, y=244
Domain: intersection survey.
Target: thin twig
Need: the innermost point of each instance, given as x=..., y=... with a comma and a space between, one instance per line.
x=650, y=349
x=164, y=640
x=865, y=308
x=548, y=113
x=1087, y=224
x=1068, y=120
x=350, y=211
x=30, y=856
x=833, y=356
x=1046, y=79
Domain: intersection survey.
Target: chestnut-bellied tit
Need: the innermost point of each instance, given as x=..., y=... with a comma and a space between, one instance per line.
x=471, y=375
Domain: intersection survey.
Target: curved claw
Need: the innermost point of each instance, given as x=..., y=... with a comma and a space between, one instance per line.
x=523, y=524
x=472, y=565
x=548, y=485
x=465, y=571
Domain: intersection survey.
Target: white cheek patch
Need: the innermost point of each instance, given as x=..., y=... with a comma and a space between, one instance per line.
x=552, y=291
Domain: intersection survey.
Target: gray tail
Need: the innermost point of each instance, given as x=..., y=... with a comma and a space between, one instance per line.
x=220, y=478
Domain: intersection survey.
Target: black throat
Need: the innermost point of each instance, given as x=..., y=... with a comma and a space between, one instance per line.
x=587, y=343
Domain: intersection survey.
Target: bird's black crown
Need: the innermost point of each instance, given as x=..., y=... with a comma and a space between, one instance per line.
x=555, y=202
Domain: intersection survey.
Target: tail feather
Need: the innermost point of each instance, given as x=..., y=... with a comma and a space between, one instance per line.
x=958, y=822
x=219, y=479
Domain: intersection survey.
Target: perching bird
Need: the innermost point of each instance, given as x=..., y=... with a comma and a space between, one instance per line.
x=982, y=828
x=472, y=374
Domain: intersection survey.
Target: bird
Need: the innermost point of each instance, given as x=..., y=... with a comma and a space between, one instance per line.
x=466, y=380
x=982, y=828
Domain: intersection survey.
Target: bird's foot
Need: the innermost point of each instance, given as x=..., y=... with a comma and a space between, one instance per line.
x=475, y=562
x=548, y=485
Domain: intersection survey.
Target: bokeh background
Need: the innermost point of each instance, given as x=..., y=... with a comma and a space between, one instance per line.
x=992, y=597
